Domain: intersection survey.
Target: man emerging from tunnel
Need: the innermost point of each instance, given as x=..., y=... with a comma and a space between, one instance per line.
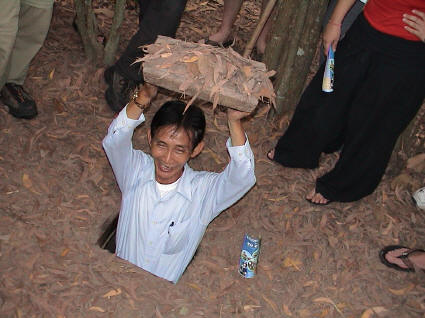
x=166, y=206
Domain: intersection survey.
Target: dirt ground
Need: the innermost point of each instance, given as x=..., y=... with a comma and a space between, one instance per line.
x=57, y=194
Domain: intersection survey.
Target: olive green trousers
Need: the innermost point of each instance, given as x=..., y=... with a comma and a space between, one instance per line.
x=23, y=28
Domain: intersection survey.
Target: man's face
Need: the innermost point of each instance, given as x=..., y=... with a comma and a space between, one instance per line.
x=171, y=149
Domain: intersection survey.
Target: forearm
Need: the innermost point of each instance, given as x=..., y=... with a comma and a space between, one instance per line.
x=237, y=133
x=118, y=145
x=341, y=9
x=332, y=31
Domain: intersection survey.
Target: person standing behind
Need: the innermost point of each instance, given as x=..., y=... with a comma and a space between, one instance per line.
x=379, y=88
x=156, y=17
x=23, y=28
x=230, y=11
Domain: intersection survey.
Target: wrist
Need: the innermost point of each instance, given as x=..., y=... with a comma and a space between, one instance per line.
x=334, y=23
x=140, y=100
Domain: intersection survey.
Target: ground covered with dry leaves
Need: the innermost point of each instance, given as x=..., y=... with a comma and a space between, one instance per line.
x=57, y=194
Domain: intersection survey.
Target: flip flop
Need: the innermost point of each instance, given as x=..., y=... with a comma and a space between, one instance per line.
x=404, y=257
x=224, y=44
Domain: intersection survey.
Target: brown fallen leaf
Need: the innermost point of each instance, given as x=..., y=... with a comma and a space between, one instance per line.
x=370, y=311
x=289, y=262
x=98, y=309
x=402, y=291
x=65, y=252
x=272, y=304
x=286, y=310
x=323, y=300
x=26, y=181
x=250, y=307
x=194, y=286
x=112, y=293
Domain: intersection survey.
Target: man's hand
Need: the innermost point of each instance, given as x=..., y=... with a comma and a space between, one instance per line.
x=237, y=133
x=333, y=28
x=146, y=93
x=233, y=114
x=137, y=105
x=415, y=23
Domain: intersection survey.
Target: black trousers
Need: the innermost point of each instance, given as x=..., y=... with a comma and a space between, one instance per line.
x=379, y=87
x=157, y=17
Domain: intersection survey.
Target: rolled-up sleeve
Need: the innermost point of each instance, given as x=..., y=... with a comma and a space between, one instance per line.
x=119, y=148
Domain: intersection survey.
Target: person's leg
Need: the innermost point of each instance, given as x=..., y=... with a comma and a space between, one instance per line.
x=230, y=11
x=33, y=25
x=143, y=7
x=162, y=17
x=32, y=30
x=386, y=101
x=9, y=16
x=261, y=43
x=320, y=118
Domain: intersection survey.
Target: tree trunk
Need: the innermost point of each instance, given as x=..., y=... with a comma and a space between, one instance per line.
x=293, y=43
x=88, y=29
x=114, y=37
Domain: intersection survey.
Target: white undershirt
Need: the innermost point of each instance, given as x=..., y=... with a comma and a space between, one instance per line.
x=165, y=188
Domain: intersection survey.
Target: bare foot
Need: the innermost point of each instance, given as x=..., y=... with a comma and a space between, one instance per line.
x=316, y=198
x=270, y=154
x=392, y=257
x=219, y=37
x=416, y=258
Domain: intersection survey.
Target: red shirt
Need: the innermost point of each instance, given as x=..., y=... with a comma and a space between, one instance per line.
x=386, y=16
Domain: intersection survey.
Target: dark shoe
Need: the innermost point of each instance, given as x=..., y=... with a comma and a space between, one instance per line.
x=119, y=91
x=403, y=256
x=224, y=44
x=19, y=102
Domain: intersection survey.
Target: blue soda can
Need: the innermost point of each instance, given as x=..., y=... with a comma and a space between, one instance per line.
x=249, y=256
x=328, y=76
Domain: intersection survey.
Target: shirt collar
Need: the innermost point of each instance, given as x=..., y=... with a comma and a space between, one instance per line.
x=184, y=186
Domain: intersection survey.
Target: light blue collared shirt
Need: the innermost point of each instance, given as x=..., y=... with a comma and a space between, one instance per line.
x=158, y=234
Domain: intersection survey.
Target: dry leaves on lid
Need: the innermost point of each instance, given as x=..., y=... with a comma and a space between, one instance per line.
x=215, y=74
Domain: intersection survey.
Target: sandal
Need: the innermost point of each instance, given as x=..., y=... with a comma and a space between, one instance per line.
x=403, y=256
